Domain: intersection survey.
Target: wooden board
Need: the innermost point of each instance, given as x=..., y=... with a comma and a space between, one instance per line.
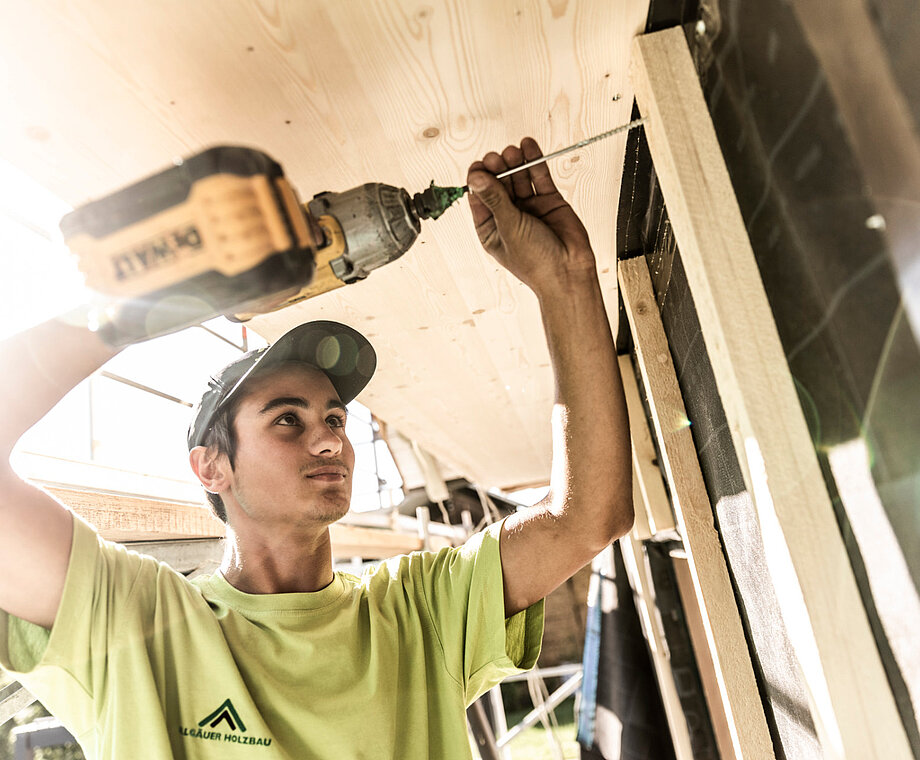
x=99, y=94
x=125, y=518
x=848, y=692
x=707, y=669
x=652, y=508
x=714, y=594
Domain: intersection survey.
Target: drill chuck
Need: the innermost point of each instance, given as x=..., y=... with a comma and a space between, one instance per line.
x=378, y=223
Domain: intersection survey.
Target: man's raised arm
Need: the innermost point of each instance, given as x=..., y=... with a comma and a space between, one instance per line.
x=528, y=227
x=40, y=366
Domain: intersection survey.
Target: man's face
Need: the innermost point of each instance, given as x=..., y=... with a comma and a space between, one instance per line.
x=293, y=462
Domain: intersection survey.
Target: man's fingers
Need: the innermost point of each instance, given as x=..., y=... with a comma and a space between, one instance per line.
x=520, y=182
x=539, y=175
x=479, y=209
x=491, y=192
x=496, y=164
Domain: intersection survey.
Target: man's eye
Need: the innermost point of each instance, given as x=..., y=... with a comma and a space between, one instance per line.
x=335, y=420
x=288, y=419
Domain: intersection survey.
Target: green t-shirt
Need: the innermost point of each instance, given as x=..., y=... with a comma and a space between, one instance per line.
x=142, y=663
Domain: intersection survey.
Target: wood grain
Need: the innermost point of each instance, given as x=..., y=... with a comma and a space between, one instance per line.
x=740, y=698
x=97, y=95
x=849, y=695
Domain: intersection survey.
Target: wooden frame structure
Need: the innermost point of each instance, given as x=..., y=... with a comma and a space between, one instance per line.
x=848, y=693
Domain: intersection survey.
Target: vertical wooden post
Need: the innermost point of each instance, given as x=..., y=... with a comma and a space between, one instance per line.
x=739, y=696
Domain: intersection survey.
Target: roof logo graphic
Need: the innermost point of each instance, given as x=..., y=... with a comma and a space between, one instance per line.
x=225, y=712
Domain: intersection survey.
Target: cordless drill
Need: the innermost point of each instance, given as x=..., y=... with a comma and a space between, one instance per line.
x=223, y=232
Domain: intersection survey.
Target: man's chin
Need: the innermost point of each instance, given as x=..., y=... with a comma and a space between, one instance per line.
x=330, y=509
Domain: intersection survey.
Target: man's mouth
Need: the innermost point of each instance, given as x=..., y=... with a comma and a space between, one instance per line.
x=328, y=474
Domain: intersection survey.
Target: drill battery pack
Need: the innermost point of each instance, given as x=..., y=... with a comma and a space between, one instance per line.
x=221, y=232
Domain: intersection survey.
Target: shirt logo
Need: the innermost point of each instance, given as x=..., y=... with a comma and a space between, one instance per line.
x=231, y=727
x=225, y=712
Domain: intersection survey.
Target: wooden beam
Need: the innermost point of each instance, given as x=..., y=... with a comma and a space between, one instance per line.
x=652, y=508
x=714, y=594
x=190, y=557
x=851, y=701
x=129, y=519
x=13, y=700
x=119, y=517
x=370, y=543
x=707, y=668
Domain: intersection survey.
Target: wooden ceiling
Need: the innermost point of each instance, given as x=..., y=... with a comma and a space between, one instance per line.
x=99, y=94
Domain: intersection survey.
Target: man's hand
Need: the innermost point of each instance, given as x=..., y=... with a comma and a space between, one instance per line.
x=524, y=222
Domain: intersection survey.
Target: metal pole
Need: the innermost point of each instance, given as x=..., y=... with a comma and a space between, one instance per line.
x=566, y=690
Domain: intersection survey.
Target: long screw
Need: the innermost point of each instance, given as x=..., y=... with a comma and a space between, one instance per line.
x=576, y=146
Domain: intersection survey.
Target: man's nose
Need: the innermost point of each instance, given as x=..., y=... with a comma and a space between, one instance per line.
x=324, y=440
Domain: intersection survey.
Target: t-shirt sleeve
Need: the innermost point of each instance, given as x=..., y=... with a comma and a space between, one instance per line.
x=64, y=667
x=465, y=598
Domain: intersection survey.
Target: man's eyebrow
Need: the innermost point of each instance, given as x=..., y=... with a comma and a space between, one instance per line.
x=284, y=401
x=299, y=402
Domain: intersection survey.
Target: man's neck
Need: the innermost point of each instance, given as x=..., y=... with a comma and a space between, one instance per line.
x=295, y=562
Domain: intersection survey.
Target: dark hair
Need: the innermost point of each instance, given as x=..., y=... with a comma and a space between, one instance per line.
x=221, y=437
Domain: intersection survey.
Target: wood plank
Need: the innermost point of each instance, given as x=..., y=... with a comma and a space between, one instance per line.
x=714, y=594
x=706, y=666
x=652, y=507
x=129, y=519
x=849, y=695
x=349, y=541
x=190, y=557
x=13, y=700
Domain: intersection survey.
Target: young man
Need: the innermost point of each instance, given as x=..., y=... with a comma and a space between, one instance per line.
x=277, y=656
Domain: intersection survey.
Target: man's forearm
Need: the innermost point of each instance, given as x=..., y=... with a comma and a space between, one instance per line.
x=591, y=485
x=40, y=366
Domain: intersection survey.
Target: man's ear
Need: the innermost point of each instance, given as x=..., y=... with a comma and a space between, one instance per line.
x=210, y=468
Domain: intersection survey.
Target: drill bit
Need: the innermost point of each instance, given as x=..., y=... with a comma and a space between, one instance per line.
x=435, y=200
x=576, y=146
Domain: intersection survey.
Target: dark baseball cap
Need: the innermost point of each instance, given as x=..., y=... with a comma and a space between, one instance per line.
x=341, y=352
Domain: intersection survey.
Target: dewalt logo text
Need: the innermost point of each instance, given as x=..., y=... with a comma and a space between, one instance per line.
x=164, y=249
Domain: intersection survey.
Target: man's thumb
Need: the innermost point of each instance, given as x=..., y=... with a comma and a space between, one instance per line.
x=489, y=190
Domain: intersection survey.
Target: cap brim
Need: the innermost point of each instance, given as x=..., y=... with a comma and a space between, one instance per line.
x=343, y=354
